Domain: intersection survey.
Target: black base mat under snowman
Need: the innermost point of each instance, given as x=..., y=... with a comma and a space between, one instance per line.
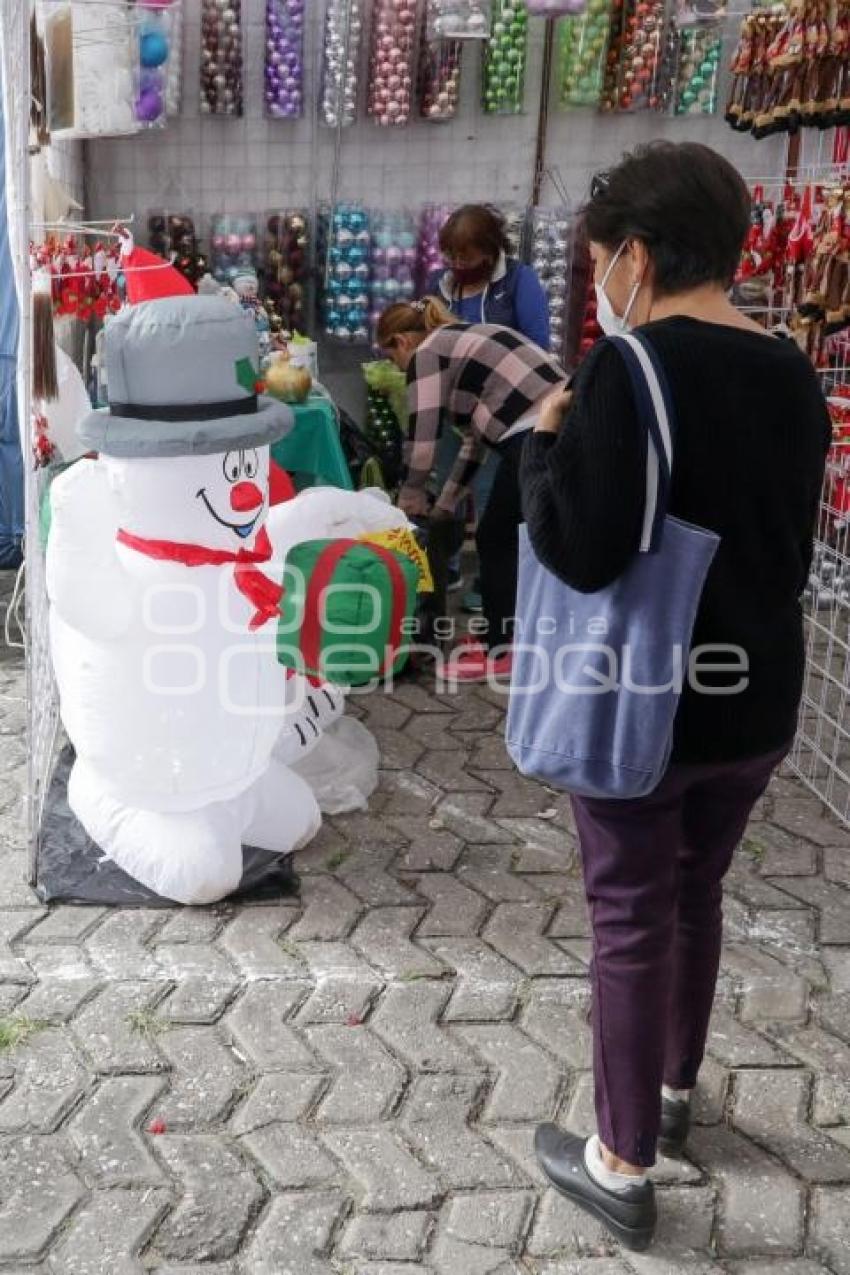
x=72, y=869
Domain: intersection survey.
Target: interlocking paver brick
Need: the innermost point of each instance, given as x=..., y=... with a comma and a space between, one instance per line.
x=455, y=910
x=399, y=750
x=829, y=1057
x=544, y=846
x=280, y=1096
x=388, y=1176
x=59, y=961
x=448, y=770
x=330, y=910
x=294, y=1236
x=345, y=985
x=49, y=1078
x=66, y=924
x=292, y=1156
x=405, y=1020
x=251, y=940
x=771, y=1107
x=14, y=922
x=111, y=1151
x=487, y=986
x=528, y=1080
x=37, y=1192
x=57, y=999
x=516, y=931
x=256, y=1022
x=121, y=943
x=220, y=1195
x=383, y=937
x=490, y=870
x=737, y=1046
x=366, y=1082
x=206, y=1079
x=805, y=819
x=205, y=982
x=435, y=1118
x=761, y=1204
x=555, y=1014
x=393, y=1237
x=768, y=990
x=117, y=1030
x=561, y=1229
x=778, y=1266
x=194, y=925
x=832, y=905
x=14, y=890
x=430, y=848
x=465, y=814
x=477, y=1234
x=683, y=1236
x=105, y=1236
x=778, y=853
x=365, y=871
x=829, y=1229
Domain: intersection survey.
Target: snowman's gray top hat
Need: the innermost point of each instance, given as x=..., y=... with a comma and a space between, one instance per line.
x=181, y=374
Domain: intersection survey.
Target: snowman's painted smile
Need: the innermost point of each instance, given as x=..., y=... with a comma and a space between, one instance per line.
x=242, y=529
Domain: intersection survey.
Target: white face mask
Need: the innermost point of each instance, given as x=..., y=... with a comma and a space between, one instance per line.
x=610, y=322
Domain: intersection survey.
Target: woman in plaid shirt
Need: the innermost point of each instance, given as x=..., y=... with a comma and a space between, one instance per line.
x=490, y=382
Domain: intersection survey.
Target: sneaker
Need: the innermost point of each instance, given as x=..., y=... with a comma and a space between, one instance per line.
x=472, y=604
x=473, y=663
x=456, y=581
x=675, y=1126
x=629, y=1215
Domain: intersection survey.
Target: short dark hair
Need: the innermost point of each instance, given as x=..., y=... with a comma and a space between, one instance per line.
x=687, y=204
x=476, y=226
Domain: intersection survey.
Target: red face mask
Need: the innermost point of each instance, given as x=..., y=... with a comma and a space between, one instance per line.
x=465, y=275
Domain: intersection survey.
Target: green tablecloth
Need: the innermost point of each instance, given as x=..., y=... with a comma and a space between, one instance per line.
x=312, y=451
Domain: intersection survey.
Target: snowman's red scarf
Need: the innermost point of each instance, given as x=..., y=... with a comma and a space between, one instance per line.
x=260, y=591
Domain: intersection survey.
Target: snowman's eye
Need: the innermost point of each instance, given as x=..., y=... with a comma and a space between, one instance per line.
x=231, y=467
x=251, y=464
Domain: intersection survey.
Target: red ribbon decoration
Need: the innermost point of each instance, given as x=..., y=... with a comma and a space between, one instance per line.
x=263, y=594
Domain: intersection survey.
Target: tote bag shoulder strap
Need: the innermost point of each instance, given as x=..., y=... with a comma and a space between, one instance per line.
x=655, y=413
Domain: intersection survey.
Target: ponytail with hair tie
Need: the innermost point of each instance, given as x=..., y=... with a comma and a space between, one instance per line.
x=423, y=316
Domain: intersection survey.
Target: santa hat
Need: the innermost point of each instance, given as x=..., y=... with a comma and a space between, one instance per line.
x=149, y=277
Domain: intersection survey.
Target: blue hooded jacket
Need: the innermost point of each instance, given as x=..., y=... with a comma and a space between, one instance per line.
x=514, y=298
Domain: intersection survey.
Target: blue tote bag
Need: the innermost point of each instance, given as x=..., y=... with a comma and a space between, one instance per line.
x=597, y=677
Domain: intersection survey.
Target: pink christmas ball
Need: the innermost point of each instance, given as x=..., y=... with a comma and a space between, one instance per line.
x=249, y=243
x=233, y=243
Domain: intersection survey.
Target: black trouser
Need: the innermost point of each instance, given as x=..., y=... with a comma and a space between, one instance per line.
x=444, y=541
x=497, y=541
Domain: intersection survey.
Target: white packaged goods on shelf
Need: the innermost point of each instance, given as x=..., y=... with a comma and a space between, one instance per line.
x=92, y=67
x=458, y=20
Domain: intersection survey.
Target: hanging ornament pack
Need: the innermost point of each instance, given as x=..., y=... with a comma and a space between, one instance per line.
x=284, y=63
x=505, y=56
x=340, y=59
x=221, y=57
x=392, y=65
x=287, y=269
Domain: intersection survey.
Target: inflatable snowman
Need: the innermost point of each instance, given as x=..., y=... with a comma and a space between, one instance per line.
x=164, y=602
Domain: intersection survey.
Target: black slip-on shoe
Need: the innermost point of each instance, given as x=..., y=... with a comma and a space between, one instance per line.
x=675, y=1126
x=630, y=1215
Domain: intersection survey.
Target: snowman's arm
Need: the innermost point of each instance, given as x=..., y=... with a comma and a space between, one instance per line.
x=85, y=580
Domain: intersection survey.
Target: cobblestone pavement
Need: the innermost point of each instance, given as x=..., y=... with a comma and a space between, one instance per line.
x=350, y=1083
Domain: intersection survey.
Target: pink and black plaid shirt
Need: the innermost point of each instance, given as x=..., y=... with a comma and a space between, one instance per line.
x=485, y=378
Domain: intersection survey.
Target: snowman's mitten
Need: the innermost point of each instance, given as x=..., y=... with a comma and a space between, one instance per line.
x=85, y=580
x=311, y=709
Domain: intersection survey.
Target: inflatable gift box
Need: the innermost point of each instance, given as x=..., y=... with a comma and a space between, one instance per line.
x=344, y=610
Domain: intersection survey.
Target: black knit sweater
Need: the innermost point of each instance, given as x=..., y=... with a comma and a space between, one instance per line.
x=751, y=435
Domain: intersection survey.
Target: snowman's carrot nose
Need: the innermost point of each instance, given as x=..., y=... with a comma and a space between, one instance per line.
x=244, y=497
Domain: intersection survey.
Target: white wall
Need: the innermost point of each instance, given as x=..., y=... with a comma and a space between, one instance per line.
x=209, y=165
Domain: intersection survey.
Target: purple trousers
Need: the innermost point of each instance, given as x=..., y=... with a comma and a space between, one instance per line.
x=653, y=871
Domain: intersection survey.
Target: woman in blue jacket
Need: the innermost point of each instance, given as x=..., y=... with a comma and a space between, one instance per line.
x=482, y=283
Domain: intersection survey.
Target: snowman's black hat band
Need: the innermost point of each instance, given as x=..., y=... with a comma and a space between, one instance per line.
x=186, y=411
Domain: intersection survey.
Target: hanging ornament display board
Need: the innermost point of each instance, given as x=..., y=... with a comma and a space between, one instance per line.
x=287, y=269
x=344, y=253
x=340, y=59
x=582, y=46
x=111, y=68
x=392, y=65
x=233, y=243
x=284, y=68
x=221, y=57
x=172, y=236
x=439, y=71
x=393, y=261
x=428, y=255
x=457, y=20
x=505, y=55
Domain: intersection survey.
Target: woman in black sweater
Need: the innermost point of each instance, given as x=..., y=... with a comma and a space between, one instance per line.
x=750, y=437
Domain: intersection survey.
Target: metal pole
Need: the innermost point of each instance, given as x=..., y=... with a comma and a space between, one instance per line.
x=543, y=113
